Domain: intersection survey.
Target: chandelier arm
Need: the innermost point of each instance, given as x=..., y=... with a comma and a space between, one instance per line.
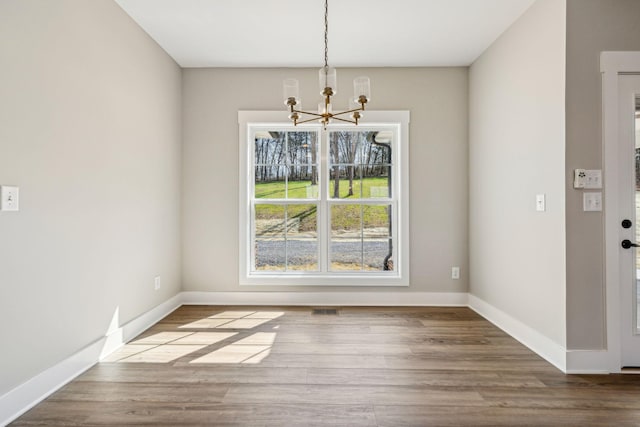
x=307, y=120
x=349, y=111
x=344, y=120
x=309, y=113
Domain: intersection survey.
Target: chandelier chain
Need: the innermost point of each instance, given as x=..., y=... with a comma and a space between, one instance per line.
x=327, y=89
x=326, y=33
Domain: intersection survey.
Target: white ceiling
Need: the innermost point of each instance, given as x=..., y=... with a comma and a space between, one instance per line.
x=289, y=33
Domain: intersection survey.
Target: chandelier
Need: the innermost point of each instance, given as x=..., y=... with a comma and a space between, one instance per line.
x=328, y=88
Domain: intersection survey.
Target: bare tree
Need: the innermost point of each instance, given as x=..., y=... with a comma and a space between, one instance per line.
x=333, y=140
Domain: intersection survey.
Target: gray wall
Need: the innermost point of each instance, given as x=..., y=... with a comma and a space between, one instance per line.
x=516, y=150
x=90, y=132
x=437, y=99
x=592, y=26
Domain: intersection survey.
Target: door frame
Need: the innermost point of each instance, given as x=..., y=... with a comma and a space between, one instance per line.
x=612, y=65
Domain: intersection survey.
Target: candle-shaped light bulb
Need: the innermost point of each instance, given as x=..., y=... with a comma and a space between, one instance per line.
x=328, y=81
x=291, y=92
x=361, y=89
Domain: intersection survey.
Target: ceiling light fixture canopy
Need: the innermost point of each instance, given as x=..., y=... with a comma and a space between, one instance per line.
x=328, y=88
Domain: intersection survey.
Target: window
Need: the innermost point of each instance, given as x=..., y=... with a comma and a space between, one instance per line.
x=324, y=207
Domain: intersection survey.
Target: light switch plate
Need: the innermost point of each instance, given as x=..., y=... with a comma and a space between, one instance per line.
x=593, y=179
x=9, y=198
x=592, y=201
x=541, y=202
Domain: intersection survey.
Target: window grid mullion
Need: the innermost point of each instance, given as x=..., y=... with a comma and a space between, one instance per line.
x=286, y=196
x=324, y=217
x=361, y=237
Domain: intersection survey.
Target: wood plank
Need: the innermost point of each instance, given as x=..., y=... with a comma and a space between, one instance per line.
x=364, y=366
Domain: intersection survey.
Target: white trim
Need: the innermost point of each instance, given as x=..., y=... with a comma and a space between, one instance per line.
x=28, y=394
x=619, y=62
x=587, y=362
x=456, y=299
x=135, y=327
x=611, y=65
x=400, y=277
x=546, y=348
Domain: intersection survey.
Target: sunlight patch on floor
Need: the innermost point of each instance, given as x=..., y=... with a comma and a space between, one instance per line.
x=234, y=320
x=259, y=338
x=231, y=314
x=162, y=354
x=205, y=323
x=168, y=346
x=162, y=338
x=250, y=350
x=243, y=324
x=165, y=347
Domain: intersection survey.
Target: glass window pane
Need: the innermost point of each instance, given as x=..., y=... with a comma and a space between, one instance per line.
x=376, y=165
x=346, y=254
x=302, y=237
x=345, y=182
x=303, y=148
x=377, y=254
x=344, y=147
x=337, y=185
x=376, y=154
x=346, y=237
x=376, y=220
x=360, y=164
x=376, y=187
x=270, y=182
x=302, y=190
x=377, y=242
x=346, y=221
x=269, y=148
x=269, y=232
x=304, y=165
x=270, y=160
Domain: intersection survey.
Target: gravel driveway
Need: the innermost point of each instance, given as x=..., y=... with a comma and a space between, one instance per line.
x=304, y=251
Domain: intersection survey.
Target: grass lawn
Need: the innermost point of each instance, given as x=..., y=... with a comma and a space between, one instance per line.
x=304, y=189
x=344, y=217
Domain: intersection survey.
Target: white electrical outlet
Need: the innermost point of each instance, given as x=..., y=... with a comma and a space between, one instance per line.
x=156, y=284
x=455, y=273
x=9, y=198
x=541, y=202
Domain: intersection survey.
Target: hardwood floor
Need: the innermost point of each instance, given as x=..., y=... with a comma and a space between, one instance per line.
x=285, y=366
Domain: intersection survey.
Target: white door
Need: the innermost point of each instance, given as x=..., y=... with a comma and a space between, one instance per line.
x=629, y=180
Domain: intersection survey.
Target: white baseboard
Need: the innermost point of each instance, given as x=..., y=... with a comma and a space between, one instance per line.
x=327, y=298
x=22, y=398
x=589, y=362
x=549, y=350
x=143, y=322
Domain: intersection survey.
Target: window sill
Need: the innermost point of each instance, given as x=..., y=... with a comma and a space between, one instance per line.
x=344, y=279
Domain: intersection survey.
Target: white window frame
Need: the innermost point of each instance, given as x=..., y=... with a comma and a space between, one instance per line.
x=398, y=120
